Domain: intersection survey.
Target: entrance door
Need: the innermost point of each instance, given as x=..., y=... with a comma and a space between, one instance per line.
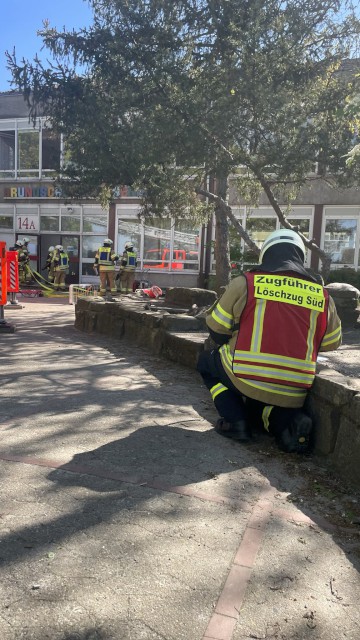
x=71, y=246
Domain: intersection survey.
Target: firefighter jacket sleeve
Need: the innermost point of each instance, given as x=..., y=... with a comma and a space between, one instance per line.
x=333, y=336
x=224, y=316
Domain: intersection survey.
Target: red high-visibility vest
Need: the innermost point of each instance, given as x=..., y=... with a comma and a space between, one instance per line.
x=281, y=329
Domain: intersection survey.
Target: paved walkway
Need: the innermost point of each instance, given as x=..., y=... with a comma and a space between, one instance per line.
x=124, y=516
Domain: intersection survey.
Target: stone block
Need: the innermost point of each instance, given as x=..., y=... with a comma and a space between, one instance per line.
x=346, y=456
x=179, y=323
x=181, y=348
x=342, y=290
x=185, y=297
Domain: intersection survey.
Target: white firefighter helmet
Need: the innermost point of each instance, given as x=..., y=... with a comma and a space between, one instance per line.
x=281, y=236
x=129, y=245
x=59, y=247
x=108, y=241
x=26, y=240
x=19, y=243
x=51, y=249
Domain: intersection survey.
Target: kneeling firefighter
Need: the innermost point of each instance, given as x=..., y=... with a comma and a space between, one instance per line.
x=270, y=324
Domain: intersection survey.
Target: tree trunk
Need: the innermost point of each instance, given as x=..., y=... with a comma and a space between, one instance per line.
x=222, y=248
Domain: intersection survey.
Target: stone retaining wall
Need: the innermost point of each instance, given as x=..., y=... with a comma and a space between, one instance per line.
x=333, y=402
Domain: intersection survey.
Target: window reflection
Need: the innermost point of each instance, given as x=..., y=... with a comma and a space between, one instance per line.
x=50, y=151
x=49, y=222
x=129, y=231
x=258, y=230
x=187, y=240
x=90, y=246
x=6, y=222
x=71, y=222
x=95, y=222
x=339, y=240
x=157, y=234
x=7, y=153
x=28, y=153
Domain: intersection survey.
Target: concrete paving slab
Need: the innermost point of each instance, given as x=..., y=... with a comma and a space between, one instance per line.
x=124, y=516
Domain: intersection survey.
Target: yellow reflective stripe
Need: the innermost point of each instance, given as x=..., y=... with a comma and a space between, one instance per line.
x=266, y=415
x=216, y=389
x=222, y=317
x=258, y=325
x=311, y=334
x=332, y=337
x=269, y=358
x=226, y=357
x=281, y=390
x=270, y=387
x=270, y=372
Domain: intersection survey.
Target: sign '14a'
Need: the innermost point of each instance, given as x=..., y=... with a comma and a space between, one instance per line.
x=27, y=223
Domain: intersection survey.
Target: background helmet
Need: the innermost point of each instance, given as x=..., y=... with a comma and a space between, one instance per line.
x=281, y=236
x=60, y=247
x=51, y=249
x=108, y=241
x=129, y=245
x=26, y=240
x=18, y=243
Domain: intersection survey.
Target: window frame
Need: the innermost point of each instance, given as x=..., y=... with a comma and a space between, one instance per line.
x=348, y=212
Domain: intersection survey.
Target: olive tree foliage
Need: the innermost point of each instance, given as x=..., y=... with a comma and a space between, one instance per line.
x=189, y=98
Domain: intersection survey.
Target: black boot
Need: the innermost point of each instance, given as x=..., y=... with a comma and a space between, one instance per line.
x=235, y=430
x=297, y=437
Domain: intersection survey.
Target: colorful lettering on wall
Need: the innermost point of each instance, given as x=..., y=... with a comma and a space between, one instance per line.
x=31, y=192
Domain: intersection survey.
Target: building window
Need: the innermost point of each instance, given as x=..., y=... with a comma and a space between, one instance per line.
x=70, y=219
x=7, y=154
x=340, y=240
x=157, y=249
x=187, y=241
x=95, y=220
x=162, y=244
x=129, y=231
x=6, y=221
x=28, y=153
x=258, y=229
x=90, y=245
x=50, y=151
x=49, y=219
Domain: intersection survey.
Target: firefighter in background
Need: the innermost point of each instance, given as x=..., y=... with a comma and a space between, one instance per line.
x=61, y=266
x=127, y=268
x=104, y=266
x=49, y=264
x=23, y=262
x=28, y=274
x=270, y=324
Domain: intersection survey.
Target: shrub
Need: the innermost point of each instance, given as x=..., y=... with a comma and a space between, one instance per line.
x=348, y=275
